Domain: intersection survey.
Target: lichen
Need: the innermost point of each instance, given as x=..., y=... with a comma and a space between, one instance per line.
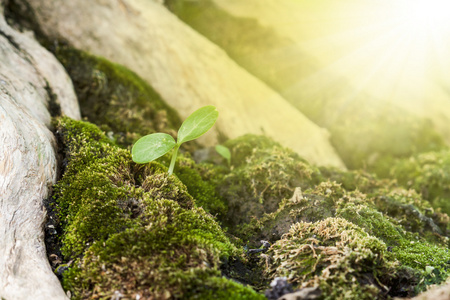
x=132, y=229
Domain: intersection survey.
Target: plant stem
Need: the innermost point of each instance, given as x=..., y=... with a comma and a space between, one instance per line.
x=174, y=158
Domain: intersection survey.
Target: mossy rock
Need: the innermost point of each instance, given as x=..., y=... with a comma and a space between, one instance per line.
x=275, y=59
x=407, y=226
x=262, y=174
x=201, y=181
x=134, y=230
x=115, y=98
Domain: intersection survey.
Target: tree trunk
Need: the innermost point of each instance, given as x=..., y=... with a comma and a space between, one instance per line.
x=29, y=78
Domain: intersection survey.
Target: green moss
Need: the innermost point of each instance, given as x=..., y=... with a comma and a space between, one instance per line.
x=263, y=173
x=360, y=180
x=115, y=98
x=132, y=229
x=372, y=221
x=412, y=212
x=241, y=148
x=201, y=181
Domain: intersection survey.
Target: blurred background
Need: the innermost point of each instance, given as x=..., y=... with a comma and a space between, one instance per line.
x=374, y=73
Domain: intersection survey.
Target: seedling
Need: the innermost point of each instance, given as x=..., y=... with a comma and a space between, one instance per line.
x=155, y=145
x=224, y=152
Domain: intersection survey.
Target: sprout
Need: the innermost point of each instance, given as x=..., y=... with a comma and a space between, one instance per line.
x=224, y=152
x=155, y=145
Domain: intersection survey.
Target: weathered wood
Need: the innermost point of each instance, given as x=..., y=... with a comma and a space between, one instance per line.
x=29, y=75
x=185, y=68
x=441, y=292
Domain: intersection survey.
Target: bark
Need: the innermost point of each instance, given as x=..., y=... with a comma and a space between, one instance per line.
x=185, y=68
x=29, y=78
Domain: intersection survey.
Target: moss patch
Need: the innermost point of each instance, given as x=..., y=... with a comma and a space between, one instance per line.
x=410, y=231
x=263, y=173
x=334, y=254
x=131, y=229
x=201, y=181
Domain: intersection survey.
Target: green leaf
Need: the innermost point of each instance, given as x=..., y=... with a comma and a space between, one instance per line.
x=151, y=147
x=224, y=151
x=429, y=269
x=198, y=123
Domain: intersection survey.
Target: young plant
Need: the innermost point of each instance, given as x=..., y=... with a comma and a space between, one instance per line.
x=224, y=152
x=155, y=145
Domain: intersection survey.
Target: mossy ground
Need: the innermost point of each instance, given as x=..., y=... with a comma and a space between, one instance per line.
x=411, y=236
x=132, y=229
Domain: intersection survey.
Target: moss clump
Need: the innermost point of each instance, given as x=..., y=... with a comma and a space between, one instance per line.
x=334, y=254
x=115, y=98
x=400, y=220
x=201, y=181
x=356, y=179
x=413, y=213
x=263, y=173
x=132, y=229
x=427, y=173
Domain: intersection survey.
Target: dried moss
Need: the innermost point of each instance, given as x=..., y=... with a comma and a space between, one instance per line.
x=132, y=229
x=334, y=254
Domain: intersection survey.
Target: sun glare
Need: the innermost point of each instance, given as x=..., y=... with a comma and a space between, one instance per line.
x=392, y=50
x=427, y=13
